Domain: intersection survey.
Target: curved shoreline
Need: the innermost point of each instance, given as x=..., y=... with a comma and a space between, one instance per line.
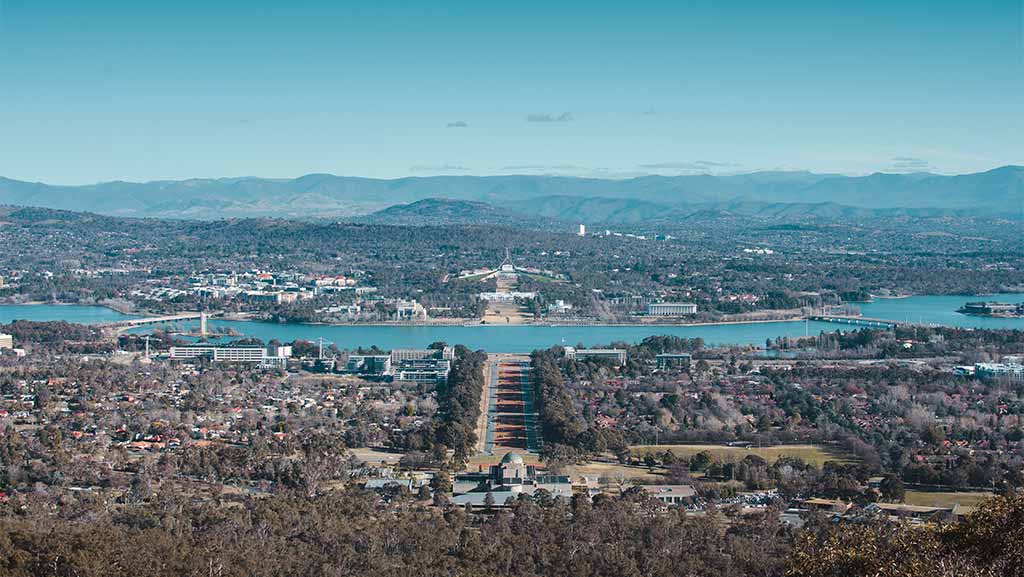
x=244, y=317
x=498, y=325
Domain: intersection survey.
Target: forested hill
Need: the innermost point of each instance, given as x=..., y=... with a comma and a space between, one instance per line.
x=444, y=211
x=997, y=191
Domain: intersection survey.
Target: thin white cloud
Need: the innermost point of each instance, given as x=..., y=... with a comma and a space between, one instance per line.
x=545, y=117
x=438, y=168
x=689, y=165
x=910, y=164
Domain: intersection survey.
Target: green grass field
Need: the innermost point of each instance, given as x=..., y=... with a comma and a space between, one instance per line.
x=475, y=277
x=810, y=453
x=542, y=278
x=615, y=471
x=944, y=499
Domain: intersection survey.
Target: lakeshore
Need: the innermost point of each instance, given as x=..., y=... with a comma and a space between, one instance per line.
x=522, y=338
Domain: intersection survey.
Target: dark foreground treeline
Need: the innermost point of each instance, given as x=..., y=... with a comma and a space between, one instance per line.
x=350, y=533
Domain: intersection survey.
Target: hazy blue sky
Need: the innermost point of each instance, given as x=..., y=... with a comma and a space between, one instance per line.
x=102, y=90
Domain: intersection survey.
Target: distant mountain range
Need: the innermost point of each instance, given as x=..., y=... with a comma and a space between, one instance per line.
x=996, y=192
x=561, y=212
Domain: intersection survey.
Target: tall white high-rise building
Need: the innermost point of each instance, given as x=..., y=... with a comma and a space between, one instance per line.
x=583, y=230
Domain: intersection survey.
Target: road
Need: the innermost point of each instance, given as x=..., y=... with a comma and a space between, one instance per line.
x=511, y=419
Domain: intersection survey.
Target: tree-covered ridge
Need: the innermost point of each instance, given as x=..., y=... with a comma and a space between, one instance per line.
x=349, y=533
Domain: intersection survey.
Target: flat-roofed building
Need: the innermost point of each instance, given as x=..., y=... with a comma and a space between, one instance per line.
x=1006, y=371
x=239, y=354
x=192, y=351
x=837, y=506
x=426, y=370
x=671, y=494
x=617, y=355
x=376, y=365
x=671, y=309
x=6, y=341
x=911, y=513
x=399, y=355
x=991, y=308
x=665, y=360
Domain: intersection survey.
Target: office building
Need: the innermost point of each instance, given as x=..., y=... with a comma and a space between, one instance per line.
x=671, y=309
x=617, y=355
x=6, y=341
x=192, y=352
x=369, y=365
x=409, y=310
x=992, y=308
x=284, y=351
x=231, y=354
x=666, y=360
x=671, y=494
x=239, y=354
x=399, y=355
x=1001, y=371
x=559, y=307
x=428, y=370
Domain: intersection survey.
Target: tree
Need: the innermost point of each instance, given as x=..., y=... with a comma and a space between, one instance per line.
x=442, y=482
x=668, y=458
x=892, y=489
x=988, y=542
x=701, y=461
x=424, y=493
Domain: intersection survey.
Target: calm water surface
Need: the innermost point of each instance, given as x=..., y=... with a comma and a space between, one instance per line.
x=928, y=309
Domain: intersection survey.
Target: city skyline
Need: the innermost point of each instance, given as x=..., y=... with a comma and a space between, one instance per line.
x=118, y=91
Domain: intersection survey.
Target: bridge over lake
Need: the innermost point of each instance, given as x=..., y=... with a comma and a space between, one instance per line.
x=131, y=323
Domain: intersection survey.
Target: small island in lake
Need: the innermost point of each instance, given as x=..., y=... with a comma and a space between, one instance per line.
x=993, y=309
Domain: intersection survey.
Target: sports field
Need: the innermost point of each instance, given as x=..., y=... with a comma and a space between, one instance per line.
x=815, y=454
x=944, y=499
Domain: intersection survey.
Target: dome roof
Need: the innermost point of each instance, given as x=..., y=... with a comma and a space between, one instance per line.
x=514, y=458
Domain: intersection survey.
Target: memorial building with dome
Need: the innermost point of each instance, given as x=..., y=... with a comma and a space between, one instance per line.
x=508, y=479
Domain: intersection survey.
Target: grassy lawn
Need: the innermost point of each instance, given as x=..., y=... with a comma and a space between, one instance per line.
x=475, y=277
x=944, y=499
x=373, y=457
x=810, y=453
x=616, y=471
x=541, y=278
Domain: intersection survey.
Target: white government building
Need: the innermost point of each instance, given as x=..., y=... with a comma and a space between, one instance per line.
x=671, y=309
x=232, y=354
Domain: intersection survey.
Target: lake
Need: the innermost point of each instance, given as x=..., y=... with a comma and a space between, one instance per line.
x=86, y=315
x=928, y=309
x=940, y=310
